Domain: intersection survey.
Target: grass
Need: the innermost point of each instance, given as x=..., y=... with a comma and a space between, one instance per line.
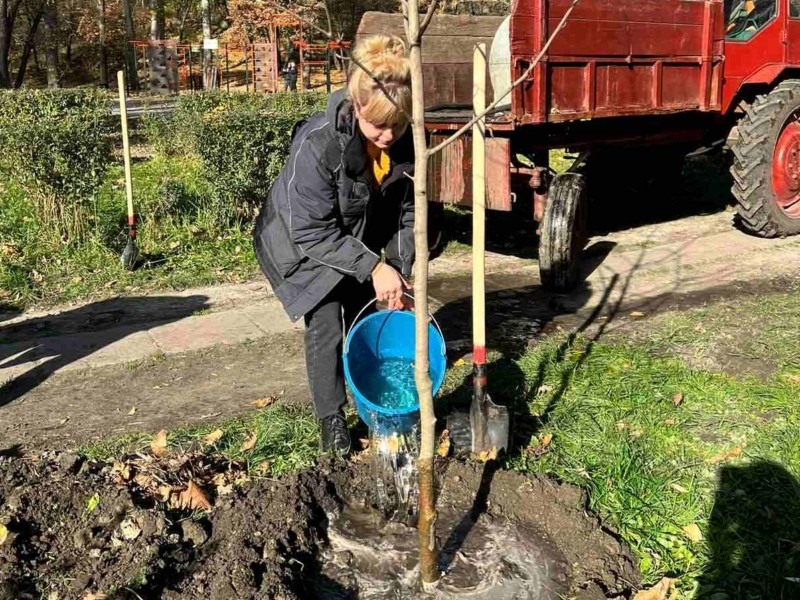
x=182, y=245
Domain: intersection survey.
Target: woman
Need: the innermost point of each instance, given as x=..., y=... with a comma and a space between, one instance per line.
x=343, y=199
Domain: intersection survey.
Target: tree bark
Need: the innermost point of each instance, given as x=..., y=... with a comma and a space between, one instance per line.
x=101, y=24
x=28, y=48
x=130, y=51
x=428, y=554
x=8, y=16
x=205, y=9
x=51, y=31
x=157, y=24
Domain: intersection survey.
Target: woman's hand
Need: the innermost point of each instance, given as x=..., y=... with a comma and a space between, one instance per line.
x=389, y=286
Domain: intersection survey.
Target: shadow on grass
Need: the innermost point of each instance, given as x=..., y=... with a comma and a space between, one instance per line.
x=41, y=341
x=754, y=534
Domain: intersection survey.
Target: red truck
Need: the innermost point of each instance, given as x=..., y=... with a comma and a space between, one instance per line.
x=649, y=79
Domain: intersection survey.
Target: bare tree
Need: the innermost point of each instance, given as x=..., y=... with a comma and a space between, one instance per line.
x=34, y=19
x=157, y=24
x=51, y=41
x=9, y=9
x=205, y=10
x=101, y=40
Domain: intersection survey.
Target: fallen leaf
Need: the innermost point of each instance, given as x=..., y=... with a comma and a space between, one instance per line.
x=159, y=445
x=443, y=449
x=93, y=503
x=677, y=399
x=213, y=437
x=123, y=470
x=792, y=378
x=693, y=532
x=545, y=440
x=670, y=422
x=63, y=421
x=3, y=534
x=250, y=443
x=679, y=488
x=488, y=455
x=224, y=490
x=164, y=493
x=130, y=530
x=36, y=276
x=264, y=402
x=658, y=592
x=132, y=411
x=364, y=442
x=544, y=389
x=637, y=313
x=193, y=498
x=174, y=245
x=621, y=426
x=95, y=596
x=263, y=467
x=723, y=456
x=459, y=363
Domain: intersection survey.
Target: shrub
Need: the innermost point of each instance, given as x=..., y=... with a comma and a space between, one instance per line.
x=242, y=140
x=55, y=146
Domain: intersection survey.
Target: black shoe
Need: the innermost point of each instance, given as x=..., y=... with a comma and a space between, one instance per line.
x=335, y=439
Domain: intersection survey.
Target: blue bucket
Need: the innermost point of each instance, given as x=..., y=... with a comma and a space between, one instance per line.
x=375, y=342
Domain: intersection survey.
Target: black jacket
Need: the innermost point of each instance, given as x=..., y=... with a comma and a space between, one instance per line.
x=325, y=220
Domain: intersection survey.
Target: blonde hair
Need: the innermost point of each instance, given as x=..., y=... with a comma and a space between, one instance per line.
x=383, y=57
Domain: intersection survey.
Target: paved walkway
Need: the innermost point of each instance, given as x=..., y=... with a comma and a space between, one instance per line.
x=652, y=263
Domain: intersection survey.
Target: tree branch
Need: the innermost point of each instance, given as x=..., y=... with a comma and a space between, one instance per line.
x=520, y=79
x=428, y=17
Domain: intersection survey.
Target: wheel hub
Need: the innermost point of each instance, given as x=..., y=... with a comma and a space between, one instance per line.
x=786, y=170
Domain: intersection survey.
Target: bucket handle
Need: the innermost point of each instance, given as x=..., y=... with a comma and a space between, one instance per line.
x=373, y=301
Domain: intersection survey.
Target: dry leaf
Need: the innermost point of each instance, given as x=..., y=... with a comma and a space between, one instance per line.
x=174, y=245
x=264, y=402
x=159, y=445
x=670, y=422
x=250, y=443
x=213, y=437
x=679, y=488
x=677, y=399
x=263, y=467
x=132, y=411
x=659, y=591
x=443, y=449
x=791, y=378
x=123, y=470
x=63, y=421
x=459, y=363
x=193, y=498
x=163, y=493
x=544, y=389
x=95, y=596
x=364, y=443
x=545, y=440
x=693, y=532
x=637, y=313
x=225, y=490
x=621, y=426
x=488, y=455
x=3, y=534
x=723, y=456
x=130, y=530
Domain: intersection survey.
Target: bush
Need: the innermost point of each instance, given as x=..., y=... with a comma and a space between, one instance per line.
x=55, y=146
x=242, y=140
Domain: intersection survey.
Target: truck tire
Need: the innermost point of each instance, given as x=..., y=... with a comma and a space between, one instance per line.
x=766, y=166
x=563, y=232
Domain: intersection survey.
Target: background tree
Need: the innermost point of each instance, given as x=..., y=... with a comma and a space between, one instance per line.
x=51, y=52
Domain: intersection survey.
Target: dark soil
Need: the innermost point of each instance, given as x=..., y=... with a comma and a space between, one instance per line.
x=74, y=531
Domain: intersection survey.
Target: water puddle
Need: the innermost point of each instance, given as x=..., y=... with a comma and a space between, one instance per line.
x=372, y=558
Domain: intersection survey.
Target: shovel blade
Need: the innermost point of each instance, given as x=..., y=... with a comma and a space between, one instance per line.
x=130, y=255
x=490, y=424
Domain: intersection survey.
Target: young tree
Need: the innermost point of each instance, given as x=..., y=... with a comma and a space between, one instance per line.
x=157, y=21
x=34, y=16
x=205, y=10
x=130, y=52
x=101, y=40
x=8, y=15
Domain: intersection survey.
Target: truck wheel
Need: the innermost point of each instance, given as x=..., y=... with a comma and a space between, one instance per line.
x=766, y=166
x=563, y=232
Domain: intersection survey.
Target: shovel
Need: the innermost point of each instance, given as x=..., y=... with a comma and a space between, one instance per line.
x=489, y=423
x=130, y=255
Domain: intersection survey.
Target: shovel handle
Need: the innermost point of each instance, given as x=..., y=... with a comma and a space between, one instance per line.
x=373, y=301
x=479, y=206
x=126, y=149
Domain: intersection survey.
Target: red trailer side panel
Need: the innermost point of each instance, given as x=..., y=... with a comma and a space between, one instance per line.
x=617, y=58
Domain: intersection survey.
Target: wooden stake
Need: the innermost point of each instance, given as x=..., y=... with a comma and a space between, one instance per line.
x=126, y=150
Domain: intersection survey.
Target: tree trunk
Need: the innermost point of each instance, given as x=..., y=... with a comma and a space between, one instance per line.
x=8, y=15
x=428, y=554
x=205, y=9
x=157, y=24
x=101, y=24
x=28, y=48
x=51, y=31
x=130, y=51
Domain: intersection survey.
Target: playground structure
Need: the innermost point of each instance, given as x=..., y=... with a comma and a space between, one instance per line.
x=169, y=67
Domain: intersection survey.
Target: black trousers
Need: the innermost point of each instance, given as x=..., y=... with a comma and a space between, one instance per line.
x=326, y=326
